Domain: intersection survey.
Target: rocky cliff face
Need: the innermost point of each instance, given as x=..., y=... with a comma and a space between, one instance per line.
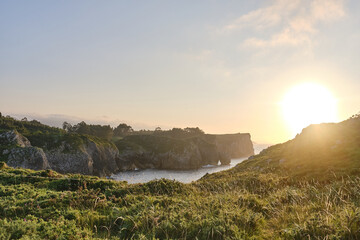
x=231, y=146
x=89, y=158
x=19, y=152
x=98, y=158
x=150, y=151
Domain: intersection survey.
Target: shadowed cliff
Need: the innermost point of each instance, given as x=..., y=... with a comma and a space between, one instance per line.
x=30, y=144
x=152, y=151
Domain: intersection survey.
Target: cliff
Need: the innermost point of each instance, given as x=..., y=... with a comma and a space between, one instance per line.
x=86, y=157
x=90, y=158
x=150, y=151
x=37, y=146
x=231, y=146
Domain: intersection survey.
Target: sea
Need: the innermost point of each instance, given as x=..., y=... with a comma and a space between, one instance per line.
x=185, y=176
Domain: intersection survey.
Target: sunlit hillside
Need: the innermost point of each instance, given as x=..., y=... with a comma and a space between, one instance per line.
x=306, y=188
x=192, y=120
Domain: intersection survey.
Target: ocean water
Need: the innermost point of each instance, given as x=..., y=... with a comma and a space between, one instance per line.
x=185, y=176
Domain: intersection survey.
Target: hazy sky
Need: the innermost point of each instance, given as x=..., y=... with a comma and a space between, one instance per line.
x=221, y=65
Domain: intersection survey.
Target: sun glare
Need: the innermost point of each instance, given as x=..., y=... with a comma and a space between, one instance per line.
x=307, y=104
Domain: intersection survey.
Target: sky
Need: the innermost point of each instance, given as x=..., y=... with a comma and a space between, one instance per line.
x=224, y=66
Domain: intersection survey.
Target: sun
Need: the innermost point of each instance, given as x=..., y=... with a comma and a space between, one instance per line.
x=306, y=104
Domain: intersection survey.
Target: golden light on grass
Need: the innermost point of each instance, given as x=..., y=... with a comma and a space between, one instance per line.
x=306, y=104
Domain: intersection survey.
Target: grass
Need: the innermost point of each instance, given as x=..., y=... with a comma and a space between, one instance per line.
x=307, y=188
x=233, y=205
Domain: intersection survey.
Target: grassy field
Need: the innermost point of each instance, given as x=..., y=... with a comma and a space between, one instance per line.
x=307, y=188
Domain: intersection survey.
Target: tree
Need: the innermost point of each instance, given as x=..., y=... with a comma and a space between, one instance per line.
x=123, y=129
x=100, y=131
x=81, y=128
x=194, y=131
x=34, y=121
x=67, y=126
x=158, y=129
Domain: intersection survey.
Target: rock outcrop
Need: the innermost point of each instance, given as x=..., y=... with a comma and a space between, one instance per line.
x=19, y=152
x=14, y=138
x=89, y=158
x=28, y=157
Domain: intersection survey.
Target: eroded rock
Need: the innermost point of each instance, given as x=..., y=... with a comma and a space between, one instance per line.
x=28, y=157
x=20, y=153
x=14, y=138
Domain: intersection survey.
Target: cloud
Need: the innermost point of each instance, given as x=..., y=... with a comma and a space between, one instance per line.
x=287, y=37
x=286, y=22
x=327, y=10
x=264, y=17
x=208, y=64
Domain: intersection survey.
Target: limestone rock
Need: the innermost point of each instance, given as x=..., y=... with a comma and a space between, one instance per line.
x=89, y=159
x=70, y=162
x=20, y=153
x=28, y=157
x=225, y=158
x=14, y=138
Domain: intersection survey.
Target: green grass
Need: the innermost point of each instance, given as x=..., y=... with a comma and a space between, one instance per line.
x=307, y=188
x=231, y=205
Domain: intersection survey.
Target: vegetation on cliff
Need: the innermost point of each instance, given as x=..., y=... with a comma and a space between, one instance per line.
x=307, y=188
x=153, y=143
x=100, y=150
x=46, y=137
x=43, y=136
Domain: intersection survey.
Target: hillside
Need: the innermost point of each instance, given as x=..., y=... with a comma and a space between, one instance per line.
x=306, y=188
x=320, y=150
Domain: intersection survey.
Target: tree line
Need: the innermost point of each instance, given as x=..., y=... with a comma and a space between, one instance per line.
x=102, y=131
x=122, y=130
